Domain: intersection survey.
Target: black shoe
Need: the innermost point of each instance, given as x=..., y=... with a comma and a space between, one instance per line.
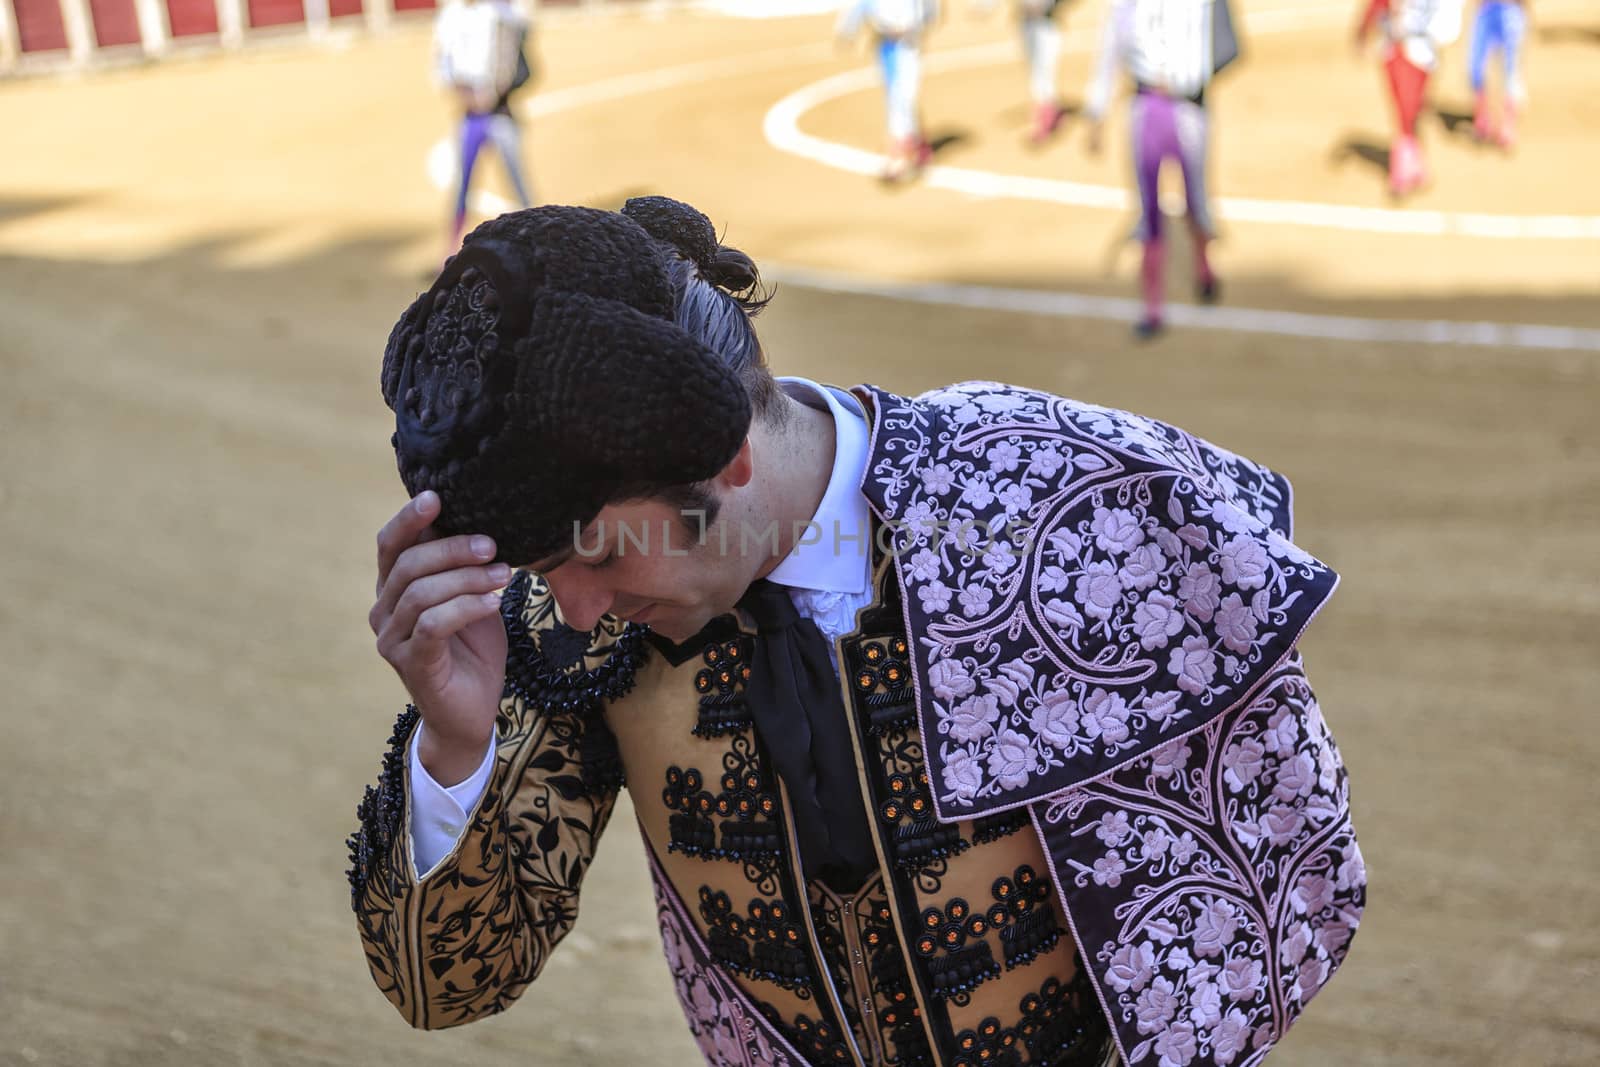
x=1148, y=329
x=1208, y=292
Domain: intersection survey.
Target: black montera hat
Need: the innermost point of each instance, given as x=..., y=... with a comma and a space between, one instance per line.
x=542, y=376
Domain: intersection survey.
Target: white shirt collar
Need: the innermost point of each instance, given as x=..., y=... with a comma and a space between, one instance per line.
x=838, y=558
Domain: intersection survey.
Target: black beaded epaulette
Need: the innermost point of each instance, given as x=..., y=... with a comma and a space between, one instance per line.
x=987, y=1045
x=1027, y=922
x=994, y=827
x=381, y=809
x=1062, y=1023
x=916, y=837
x=541, y=671
x=885, y=664
x=817, y=1040
x=954, y=966
x=745, y=804
x=720, y=684
x=764, y=943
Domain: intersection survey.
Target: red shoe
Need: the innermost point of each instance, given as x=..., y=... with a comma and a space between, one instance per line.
x=903, y=159
x=1482, y=120
x=1407, y=172
x=1506, y=135
x=1046, y=117
x=924, y=153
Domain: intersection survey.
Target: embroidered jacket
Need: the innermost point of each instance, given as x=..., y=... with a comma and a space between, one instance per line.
x=1101, y=788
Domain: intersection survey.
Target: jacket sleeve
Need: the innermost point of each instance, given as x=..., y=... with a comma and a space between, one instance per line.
x=465, y=941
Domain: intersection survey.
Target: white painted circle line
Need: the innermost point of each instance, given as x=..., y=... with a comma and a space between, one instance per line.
x=781, y=127
x=1240, y=320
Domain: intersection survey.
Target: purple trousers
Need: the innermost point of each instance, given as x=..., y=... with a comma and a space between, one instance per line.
x=501, y=131
x=1166, y=128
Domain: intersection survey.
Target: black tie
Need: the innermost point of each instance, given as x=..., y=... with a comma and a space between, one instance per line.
x=793, y=695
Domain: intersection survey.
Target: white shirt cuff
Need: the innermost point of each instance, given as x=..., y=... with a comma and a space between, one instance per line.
x=438, y=814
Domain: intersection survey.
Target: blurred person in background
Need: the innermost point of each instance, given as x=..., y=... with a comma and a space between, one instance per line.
x=480, y=56
x=1041, y=44
x=915, y=698
x=898, y=28
x=1499, y=27
x=1171, y=49
x=1415, y=34
x=1042, y=51
x=1041, y=48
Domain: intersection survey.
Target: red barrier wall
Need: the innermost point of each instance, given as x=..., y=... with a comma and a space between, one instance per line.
x=39, y=25
x=276, y=12
x=114, y=22
x=341, y=8
x=191, y=18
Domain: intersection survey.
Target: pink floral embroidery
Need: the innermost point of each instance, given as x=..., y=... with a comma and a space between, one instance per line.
x=1130, y=653
x=963, y=774
x=1241, y=979
x=1216, y=891
x=1231, y=1036
x=938, y=479
x=1004, y=457
x=1214, y=928
x=1131, y=967
x=1105, y=715
x=974, y=718
x=1143, y=568
x=1116, y=530
x=1194, y=665
x=1176, y=1046
x=975, y=600
x=1200, y=590
x=1127, y=670
x=1243, y=763
x=1011, y=680
x=1236, y=623
x=1016, y=498
x=1114, y=828
x=1099, y=590
x=1156, y=1006
x=1056, y=719
x=1312, y=894
x=1171, y=759
x=1244, y=563
x=1235, y=520
x=1046, y=462
x=1159, y=707
x=1157, y=620
x=1011, y=759
x=935, y=596
x=920, y=519
x=1297, y=777
x=1108, y=869
x=950, y=680
x=1063, y=614
x=925, y=565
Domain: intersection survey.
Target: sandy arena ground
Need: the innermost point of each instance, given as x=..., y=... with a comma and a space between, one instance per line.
x=199, y=263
